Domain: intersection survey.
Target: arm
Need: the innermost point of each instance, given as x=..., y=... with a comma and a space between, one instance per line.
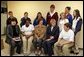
x=78, y=27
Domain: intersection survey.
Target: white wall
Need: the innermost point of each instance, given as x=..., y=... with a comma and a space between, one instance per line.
x=33, y=7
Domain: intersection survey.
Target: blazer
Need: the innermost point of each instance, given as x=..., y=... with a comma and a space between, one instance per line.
x=48, y=17
x=78, y=26
x=54, y=32
x=9, y=33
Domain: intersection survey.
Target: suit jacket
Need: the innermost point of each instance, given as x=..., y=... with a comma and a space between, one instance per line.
x=9, y=32
x=54, y=32
x=48, y=17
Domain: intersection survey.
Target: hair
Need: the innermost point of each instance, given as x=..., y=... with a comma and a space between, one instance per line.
x=69, y=8
x=28, y=19
x=37, y=15
x=68, y=25
x=77, y=13
x=25, y=13
x=64, y=15
x=10, y=12
x=14, y=19
x=52, y=6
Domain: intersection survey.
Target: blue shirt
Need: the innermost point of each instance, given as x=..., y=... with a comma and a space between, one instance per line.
x=69, y=17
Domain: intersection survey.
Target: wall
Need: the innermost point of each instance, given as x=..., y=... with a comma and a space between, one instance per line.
x=32, y=7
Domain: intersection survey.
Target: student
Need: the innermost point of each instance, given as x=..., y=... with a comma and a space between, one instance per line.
x=8, y=21
x=76, y=26
x=52, y=34
x=23, y=19
x=39, y=16
x=27, y=32
x=14, y=37
x=39, y=36
x=52, y=15
x=62, y=21
x=65, y=41
x=68, y=15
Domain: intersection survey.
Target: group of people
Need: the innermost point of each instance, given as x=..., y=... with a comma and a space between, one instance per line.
x=53, y=35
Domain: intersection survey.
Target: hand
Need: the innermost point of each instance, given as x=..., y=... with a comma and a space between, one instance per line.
x=13, y=39
x=51, y=37
x=48, y=39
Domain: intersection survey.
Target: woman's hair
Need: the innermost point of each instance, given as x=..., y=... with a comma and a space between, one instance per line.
x=68, y=25
x=10, y=12
x=52, y=6
x=40, y=14
x=77, y=13
x=64, y=15
x=14, y=19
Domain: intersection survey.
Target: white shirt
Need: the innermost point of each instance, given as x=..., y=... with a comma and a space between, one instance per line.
x=51, y=28
x=27, y=30
x=75, y=23
x=51, y=14
x=69, y=36
x=62, y=22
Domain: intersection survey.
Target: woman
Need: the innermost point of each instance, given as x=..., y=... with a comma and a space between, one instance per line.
x=52, y=15
x=14, y=37
x=39, y=35
x=52, y=34
x=62, y=21
x=39, y=16
x=76, y=26
x=27, y=32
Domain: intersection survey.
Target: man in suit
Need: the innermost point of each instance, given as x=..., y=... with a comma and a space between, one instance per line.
x=52, y=34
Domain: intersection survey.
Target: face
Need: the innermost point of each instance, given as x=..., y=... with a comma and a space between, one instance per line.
x=66, y=10
x=74, y=13
x=53, y=22
x=26, y=15
x=10, y=14
x=66, y=28
x=27, y=23
x=41, y=22
x=62, y=16
x=52, y=9
x=13, y=23
x=39, y=16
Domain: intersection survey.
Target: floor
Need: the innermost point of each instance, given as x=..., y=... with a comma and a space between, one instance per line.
x=5, y=51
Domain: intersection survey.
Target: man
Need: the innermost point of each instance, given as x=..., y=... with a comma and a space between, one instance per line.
x=68, y=15
x=8, y=22
x=65, y=41
x=52, y=34
x=52, y=15
x=23, y=19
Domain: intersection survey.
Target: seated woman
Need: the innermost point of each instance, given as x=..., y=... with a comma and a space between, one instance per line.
x=39, y=16
x=65, y=41
x=39, y=35
x=13, y=37
x=62, y=21
x=27, y=37
x=52, y=34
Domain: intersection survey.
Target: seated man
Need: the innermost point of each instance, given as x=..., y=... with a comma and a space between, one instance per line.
x=52, y=34
x=27, y=32
x=13, y=37
x=65, y=41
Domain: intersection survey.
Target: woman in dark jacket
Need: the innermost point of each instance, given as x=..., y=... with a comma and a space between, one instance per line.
x=13, y=37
